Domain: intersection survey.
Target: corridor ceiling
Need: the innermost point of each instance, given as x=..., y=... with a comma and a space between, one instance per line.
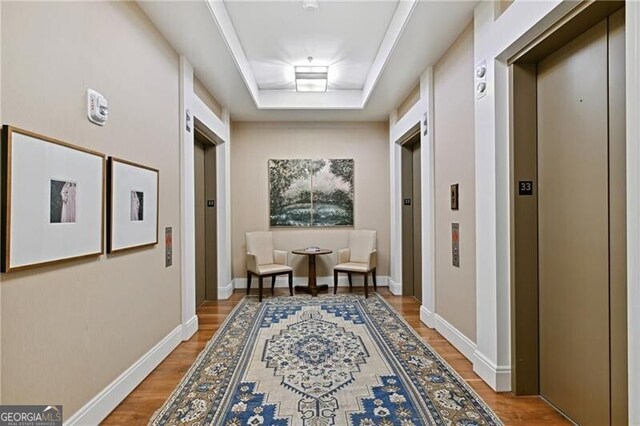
x=244, y=52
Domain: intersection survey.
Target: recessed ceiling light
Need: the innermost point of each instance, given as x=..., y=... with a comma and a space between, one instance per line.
x=311, y=78
x=309, y=4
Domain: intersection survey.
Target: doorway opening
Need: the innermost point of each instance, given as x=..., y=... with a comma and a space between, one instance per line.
x=411, y=217
x=569, y=317
x=205, y=186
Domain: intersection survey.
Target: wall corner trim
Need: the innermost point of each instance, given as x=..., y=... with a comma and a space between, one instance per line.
x=99, y=407
x=497, y=377
x=225, y=292
x=190, y=328
x=427, y=317
x=395, y=288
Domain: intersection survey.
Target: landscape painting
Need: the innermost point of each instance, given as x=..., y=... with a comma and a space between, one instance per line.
x=311, y=192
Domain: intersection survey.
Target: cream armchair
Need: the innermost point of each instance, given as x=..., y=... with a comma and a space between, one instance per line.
x=264, y=261
x=359, y=258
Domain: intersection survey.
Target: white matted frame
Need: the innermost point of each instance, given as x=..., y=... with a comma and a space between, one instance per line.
x=132, y=205
x=52, y=192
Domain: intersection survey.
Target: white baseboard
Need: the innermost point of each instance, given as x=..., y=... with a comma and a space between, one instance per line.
x=497, y=377
x=190, y=328
x=395, y=288
x=426, y=316
x=102, y=404
x=282, y=281
x=225, y=292
x=461, y=342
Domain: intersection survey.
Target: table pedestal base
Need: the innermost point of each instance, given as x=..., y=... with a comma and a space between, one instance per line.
x=308, y=290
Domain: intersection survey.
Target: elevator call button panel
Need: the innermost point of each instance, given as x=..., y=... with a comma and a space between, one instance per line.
x=455, y=244
x=168, y=246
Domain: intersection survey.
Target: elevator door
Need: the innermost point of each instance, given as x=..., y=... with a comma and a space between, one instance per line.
x=575, y=211
x=411, y=219
x=205, y=219
x=201, y=269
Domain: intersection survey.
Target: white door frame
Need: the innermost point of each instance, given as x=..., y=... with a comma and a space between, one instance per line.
x=192, y=108
x=420, y=114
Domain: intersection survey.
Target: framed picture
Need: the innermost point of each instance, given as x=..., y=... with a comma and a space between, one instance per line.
x=132, y=205
x=311, y=193
x=53, y=200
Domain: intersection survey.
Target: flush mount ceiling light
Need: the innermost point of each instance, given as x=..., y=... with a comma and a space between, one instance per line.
x=309, y=4
x=311, y=78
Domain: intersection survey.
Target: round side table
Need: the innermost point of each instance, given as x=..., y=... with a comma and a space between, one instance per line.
x=312, y=288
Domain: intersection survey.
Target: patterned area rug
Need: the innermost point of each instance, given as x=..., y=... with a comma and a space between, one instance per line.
x=331, y=360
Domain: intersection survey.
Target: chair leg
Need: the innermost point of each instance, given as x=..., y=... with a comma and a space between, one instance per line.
x=375, y=283
x=273, y=283
x=291, y=283
x=335, y=282
x=366, y=286
x=260, y=288
x=248, y=281
x=350, y=281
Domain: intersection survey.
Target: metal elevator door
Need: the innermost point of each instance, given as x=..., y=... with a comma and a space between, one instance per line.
x=205, y=219
x=411, y=219
x=579, y=177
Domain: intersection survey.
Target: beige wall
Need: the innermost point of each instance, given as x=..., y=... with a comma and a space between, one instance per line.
x=71, y=329
x=454, y=160
x=255, y=143
x=412, y=98
x=206, y=97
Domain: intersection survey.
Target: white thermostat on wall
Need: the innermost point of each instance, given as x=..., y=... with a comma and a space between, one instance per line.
x=97, y=107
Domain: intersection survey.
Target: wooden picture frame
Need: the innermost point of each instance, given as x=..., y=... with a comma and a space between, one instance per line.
x=53, y=200
x=132, y=205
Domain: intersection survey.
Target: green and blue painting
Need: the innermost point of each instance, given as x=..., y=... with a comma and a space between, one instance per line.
x=311, y=192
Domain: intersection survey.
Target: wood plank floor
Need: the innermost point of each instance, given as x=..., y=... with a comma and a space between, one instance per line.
x=149, y=396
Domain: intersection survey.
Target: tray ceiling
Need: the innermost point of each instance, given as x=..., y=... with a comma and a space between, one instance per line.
x=343, y=35
x=244, y=51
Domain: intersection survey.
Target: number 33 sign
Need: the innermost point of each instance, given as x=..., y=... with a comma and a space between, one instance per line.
x=525, y=187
